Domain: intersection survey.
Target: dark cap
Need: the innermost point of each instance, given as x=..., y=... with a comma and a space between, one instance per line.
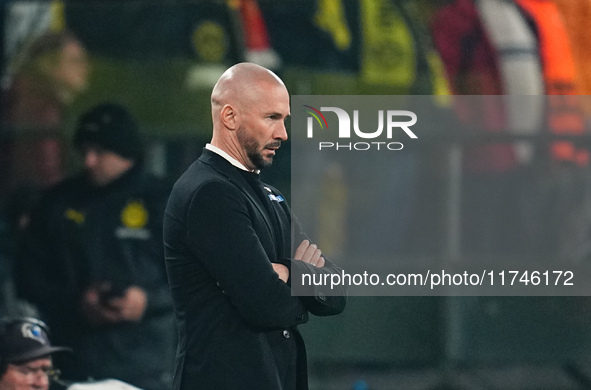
x=111, y=127
x=25, y=339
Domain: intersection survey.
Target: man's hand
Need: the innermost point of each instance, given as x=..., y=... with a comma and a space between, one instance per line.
x=306, y=252
x=93, y=307
x=309, y=253
x=282, y=271
x=99, y=311
x=132, y=305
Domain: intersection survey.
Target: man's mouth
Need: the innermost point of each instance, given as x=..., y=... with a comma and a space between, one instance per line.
x=273, y=146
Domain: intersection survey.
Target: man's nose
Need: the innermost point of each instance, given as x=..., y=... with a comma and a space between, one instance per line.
x=281, y=132
x=41, y=382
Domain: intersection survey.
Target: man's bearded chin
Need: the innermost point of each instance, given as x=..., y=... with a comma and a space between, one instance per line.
x=256, y=158
x=253, y=150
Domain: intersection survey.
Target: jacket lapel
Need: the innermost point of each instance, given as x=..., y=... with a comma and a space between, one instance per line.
x=224, y=168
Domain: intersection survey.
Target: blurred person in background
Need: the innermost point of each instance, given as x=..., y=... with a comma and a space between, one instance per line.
x=45, y=80
x=26, y=355
x=93, y=259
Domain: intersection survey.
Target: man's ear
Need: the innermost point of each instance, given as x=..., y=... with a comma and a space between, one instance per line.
x=228, y=117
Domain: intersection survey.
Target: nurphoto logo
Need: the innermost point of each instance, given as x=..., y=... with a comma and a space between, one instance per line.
x=395, y=120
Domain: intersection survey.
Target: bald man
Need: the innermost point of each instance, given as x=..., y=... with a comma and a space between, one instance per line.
x=228, y=250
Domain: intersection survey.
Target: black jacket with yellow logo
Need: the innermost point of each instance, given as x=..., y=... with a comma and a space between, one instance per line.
x=83, y=235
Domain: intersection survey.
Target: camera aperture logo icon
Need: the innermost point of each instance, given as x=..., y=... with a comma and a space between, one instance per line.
x=316, y=114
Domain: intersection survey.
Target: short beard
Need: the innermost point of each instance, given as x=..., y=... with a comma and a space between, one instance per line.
x=253, y=149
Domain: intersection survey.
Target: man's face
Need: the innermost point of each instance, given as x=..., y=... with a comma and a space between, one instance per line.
x=72, y=67
x=27, y=376
x=103, y=166
x=263, y=127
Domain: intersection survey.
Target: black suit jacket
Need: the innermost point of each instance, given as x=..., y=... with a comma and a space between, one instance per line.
x=236, y=319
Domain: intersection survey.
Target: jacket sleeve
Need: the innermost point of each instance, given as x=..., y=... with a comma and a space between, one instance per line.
x=43, y=270
x=159, y=299
x=322, y=299
x=156, y=287
x=220, y=233
x=153, y=279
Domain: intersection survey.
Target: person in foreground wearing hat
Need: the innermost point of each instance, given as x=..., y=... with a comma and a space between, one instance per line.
x=25, y=354
x=93, y=259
